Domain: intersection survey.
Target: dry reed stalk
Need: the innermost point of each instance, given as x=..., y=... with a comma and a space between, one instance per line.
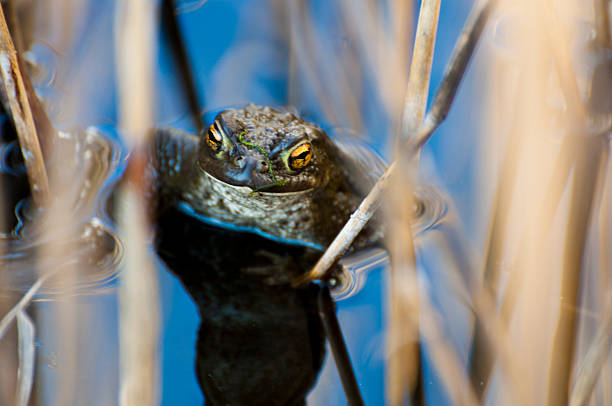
x=379, y=54
x=349, y=232
x=441, y=105
x=528, y=81
x=331, y=82
x=415, y=102
x=25, y=373
x=482, y=355
x=590, y=370
x=581, y=203
x=62, y=324
x=592, y=366
x=14, y=25
x=545, y=211
x=384, y=52
x=462, y=53
x=400, y=46
x=302, y=59
x=539, y=43
x=25, y=301
x=450, y=242
x=7, y=346
x=14, y=89
x=138, y=294
x=582, y=195
x=403, y=348
x=500, y=234
x=603, y=35
x=498, y=340
x=447, y=363
x=482, y=359
x=604, y=232
x=19, y=373
x=171, y=25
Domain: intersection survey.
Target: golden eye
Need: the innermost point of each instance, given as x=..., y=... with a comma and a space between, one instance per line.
x=214, y=139
x=300, y=156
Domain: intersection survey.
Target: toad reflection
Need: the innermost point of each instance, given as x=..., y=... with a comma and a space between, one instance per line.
x=259, y=343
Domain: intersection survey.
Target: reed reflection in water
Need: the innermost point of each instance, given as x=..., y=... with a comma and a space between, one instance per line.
x=523, y=252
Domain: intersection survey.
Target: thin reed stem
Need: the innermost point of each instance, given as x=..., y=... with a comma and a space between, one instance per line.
x=602, y=23
x=589, y=155
x=138, y=295
x=327, y=313
x=482, y=355
x=170, y=23
x=26, y=349
x=442, y=101
x=462, y=53
x=589, y=371
x=15, y=91
x=25, y=301
x=583, y=190
x=403, y=364
x=415, y=101
x=447, y=363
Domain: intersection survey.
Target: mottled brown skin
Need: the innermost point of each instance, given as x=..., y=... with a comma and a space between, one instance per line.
x=229, y=179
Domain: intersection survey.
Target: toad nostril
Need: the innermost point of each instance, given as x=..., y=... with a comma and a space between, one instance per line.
x=239, y=161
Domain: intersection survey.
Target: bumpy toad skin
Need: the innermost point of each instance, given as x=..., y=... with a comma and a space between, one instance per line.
x=259, y=168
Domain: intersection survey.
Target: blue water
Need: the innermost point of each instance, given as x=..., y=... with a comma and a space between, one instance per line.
x=239, y=55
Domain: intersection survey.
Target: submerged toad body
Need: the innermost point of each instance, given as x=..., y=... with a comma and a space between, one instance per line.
x=268, y=171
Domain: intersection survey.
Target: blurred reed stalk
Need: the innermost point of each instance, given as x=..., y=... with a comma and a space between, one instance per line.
x=544, y=204
x=16, y=382
x=8, y=355
x=589, y=371
x=443, y=99
x=170, y=25
x=59, y=267
x=7, y=345
x=14, y=90
x=403, y=373
x=62, y=321
x=138, y=294
x=331, y=82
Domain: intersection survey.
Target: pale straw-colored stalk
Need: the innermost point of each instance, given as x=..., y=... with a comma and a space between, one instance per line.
x=444, y=96
x=26, y=351
x=589, y=371
x=403, y=348
x=603, y=34
x=15, y=100
x=447, y=363
x=138, y=294
x=544, y=211
x=302, y=66
x=549, y=251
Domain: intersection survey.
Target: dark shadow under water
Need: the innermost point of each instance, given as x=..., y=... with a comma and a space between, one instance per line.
x=260, y=342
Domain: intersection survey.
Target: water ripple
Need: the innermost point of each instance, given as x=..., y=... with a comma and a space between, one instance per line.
x=81, y=254
x=431, y=209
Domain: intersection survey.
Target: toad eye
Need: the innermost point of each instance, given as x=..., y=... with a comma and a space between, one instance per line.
x=214, y=138
x=300, y=156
